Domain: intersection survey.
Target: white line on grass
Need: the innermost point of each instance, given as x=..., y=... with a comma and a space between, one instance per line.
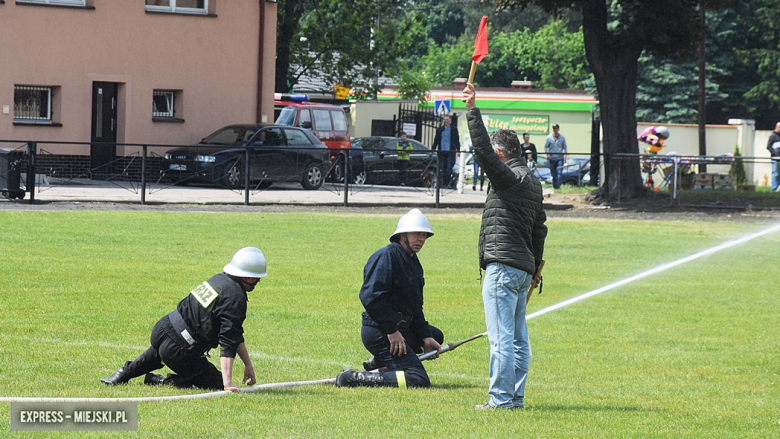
x=258, y=355
x=656, y=270
x=659, y=269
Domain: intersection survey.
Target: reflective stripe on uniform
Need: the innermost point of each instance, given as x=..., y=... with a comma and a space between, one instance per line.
x=204, y=294
x=399, y=375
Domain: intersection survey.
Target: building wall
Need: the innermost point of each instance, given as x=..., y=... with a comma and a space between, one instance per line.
x=362, y=113
x=722, y=139
x=211, y=59
x=761, y=167
x=571, y=109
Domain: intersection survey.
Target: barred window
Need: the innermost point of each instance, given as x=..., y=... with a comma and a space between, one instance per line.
x=163, y=103
x=178, y=6
x=55, y=2
x=32, y=103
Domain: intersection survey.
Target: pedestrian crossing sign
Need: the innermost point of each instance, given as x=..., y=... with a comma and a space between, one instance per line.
x=442, y=106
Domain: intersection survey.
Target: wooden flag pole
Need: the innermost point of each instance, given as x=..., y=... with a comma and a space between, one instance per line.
x=471, y=73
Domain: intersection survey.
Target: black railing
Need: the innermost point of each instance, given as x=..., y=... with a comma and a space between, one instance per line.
x=353, y=170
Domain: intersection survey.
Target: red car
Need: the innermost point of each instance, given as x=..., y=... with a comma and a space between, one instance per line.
x=326, y=121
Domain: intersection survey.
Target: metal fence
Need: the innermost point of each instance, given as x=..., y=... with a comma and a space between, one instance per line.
x=139, y=170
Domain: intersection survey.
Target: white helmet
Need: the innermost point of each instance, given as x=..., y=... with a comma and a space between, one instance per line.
x=662, y=132
x=247, y=262
x=413, y=221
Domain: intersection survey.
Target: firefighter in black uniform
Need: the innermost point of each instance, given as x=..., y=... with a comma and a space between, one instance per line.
x=211, y=315
x=394, y=327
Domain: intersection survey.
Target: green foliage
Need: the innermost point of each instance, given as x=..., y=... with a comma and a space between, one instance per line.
x=414, y=85
x=739, y=167
x=685, y=353
x=667, y=90
x=759, y=53
x=552, y=57
x=351, y=48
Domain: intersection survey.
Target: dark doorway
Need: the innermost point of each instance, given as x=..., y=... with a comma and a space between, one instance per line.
x=104, y=121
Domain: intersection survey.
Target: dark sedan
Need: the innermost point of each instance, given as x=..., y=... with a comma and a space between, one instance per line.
x=575, y=171
x=276, y=154
x=380, y=159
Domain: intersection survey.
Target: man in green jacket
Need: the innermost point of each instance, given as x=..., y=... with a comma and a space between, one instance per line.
x=511, y=246
x=403, y=148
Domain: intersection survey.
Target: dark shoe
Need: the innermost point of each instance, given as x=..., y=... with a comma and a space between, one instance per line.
x=353, y=378
x=372, y=364
x=121, y=376
x=473, y=188
x=152, y=379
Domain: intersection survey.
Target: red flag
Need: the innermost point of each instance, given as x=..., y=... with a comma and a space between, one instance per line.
x=481, y=43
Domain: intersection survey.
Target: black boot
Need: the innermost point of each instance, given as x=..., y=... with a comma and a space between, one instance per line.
x=121, y=376
x=372, y=364
x=152, y=379
x=353, y=378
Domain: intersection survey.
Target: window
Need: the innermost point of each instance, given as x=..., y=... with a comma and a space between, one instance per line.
x=271, y=137
x=166, y=106
x=295, y=137
x=322, y=120
x=163, y=103
x=32, y=104
x=178, y=6
x=339, y=121
x=56, y=2
x=305, y=119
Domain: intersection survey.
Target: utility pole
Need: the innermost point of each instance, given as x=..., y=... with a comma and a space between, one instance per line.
x=702, y=100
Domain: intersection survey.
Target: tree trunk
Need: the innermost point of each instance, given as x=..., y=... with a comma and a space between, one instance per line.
x=613, y=59
x=290, y=12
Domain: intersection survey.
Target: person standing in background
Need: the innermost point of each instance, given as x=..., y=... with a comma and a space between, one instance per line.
x=447, y=142
x=556, y=150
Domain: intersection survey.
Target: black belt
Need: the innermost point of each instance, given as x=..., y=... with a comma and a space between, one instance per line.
x=403, y=321
x=181, y=328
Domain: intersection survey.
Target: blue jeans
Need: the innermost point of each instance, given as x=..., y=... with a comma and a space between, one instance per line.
x=556, y=169
x=477, y=174
x=775, y=174
x=503, y=294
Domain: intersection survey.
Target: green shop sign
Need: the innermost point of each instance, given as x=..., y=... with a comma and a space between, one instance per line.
x=531, y=124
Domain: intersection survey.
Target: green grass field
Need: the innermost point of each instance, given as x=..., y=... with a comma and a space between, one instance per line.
x=691, y=352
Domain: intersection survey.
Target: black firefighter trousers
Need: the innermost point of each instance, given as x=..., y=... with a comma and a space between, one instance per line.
x=191, y=365
x=414, y=372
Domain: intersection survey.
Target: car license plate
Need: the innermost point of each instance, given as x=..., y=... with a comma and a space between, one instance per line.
x=175, y=167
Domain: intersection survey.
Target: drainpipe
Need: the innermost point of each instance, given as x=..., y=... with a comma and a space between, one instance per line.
x=260, y=57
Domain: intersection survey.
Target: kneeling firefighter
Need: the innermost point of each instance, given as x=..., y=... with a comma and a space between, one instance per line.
x=211, y=315
x=394, y=327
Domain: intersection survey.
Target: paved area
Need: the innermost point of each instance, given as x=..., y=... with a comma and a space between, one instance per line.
x=85, y=191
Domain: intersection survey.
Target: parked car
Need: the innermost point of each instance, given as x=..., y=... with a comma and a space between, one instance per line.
x=380, y=157
x=574, y=171
x=468, y=172
x=326, y=121
x=276, y=154
x=357, y=165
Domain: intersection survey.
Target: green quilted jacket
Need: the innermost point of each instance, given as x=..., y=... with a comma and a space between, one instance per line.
x=513, y=230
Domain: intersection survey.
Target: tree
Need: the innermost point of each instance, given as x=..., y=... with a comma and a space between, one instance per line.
x=288, y=14
x=414, y=85
x=760, y=54
x=552, y=57
x=349, y=42
x=615, y=34
x=667, y=86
